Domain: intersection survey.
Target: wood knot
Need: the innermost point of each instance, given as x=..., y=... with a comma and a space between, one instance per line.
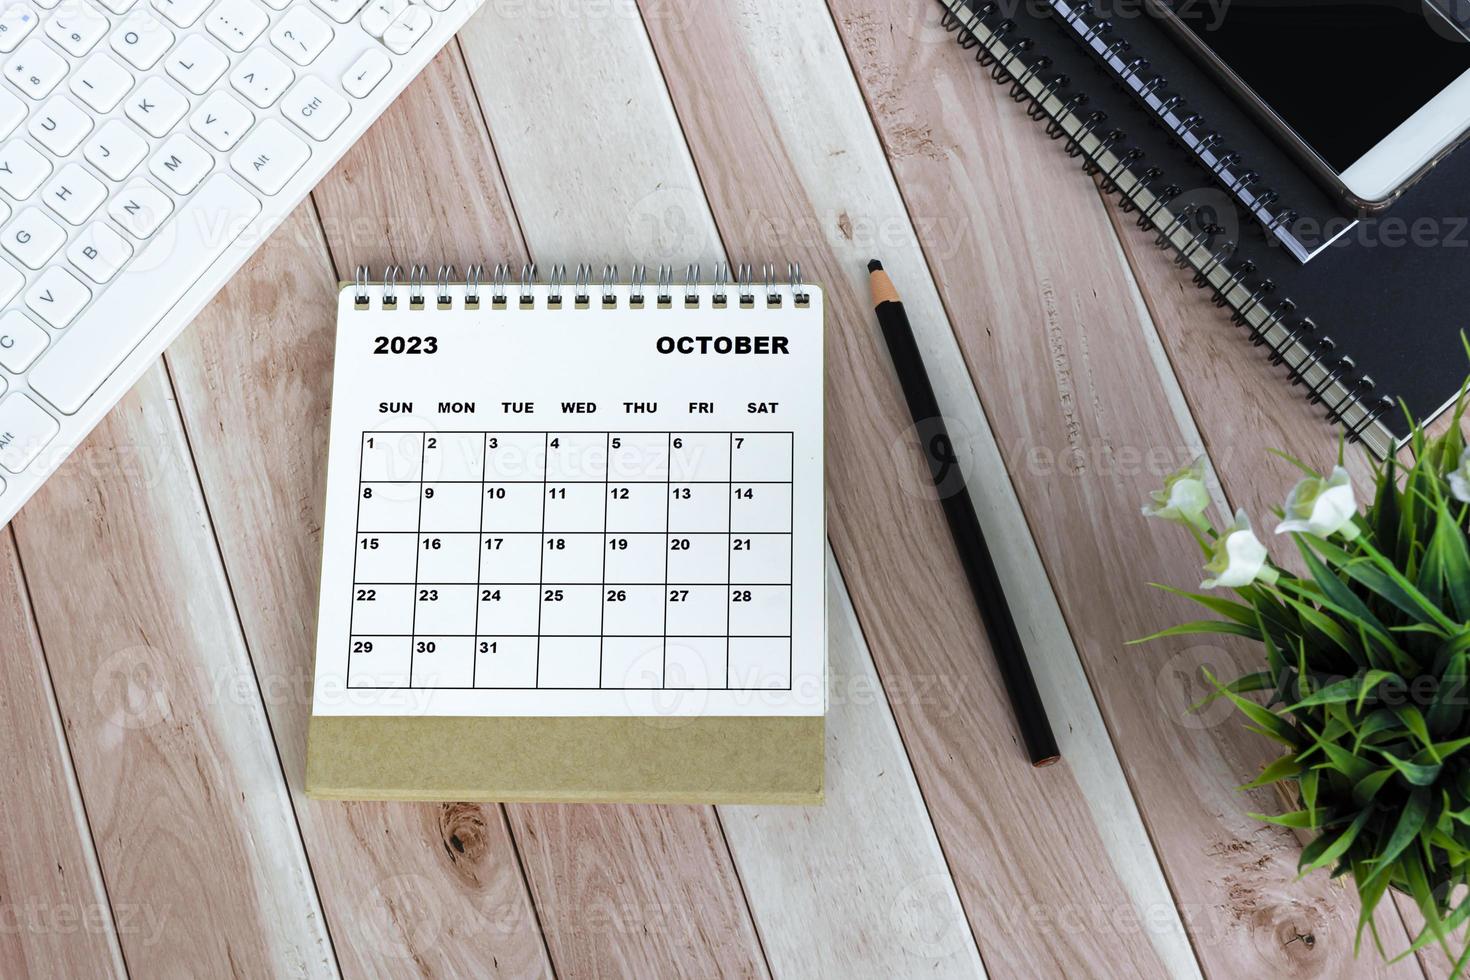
x=463, y=834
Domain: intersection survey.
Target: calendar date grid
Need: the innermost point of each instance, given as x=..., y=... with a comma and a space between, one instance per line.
x=573, y=559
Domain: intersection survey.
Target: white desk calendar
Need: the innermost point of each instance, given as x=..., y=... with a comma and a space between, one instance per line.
x=575, y=499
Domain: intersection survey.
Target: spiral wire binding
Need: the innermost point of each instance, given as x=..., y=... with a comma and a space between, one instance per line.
x=1138, y=76
x=581, y=285
x=1291, y=339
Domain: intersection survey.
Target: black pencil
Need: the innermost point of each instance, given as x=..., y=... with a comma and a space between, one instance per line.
x=949, y=483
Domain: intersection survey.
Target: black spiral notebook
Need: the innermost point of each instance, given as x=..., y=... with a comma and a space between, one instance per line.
x=1372, y=321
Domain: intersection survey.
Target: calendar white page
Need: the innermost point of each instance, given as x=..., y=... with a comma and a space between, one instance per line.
x=540, y=512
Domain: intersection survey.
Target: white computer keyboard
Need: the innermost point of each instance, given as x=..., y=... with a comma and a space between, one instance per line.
x=147, y=147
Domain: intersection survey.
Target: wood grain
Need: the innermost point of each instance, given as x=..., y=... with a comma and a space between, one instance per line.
x=430, y=152
x=173, y=753
x=1045, y=307
x=866, y=865
x=872, y=896
x=956, y=725
x=434, y=886
x=54, y=914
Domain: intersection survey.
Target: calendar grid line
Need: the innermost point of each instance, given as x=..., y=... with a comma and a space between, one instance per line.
x=663, y=670
x=791, y=571
x=707, y=641
x=356, y=530
x=479, y=561
x=545, y=448
x=418, y=529
x=729, y=551
x=602, y=589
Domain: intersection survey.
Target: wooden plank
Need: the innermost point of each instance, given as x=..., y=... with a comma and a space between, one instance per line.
x=435, y=885
x=657, y=860
x=828, y=141
x=867, y=863
x=857, y=887
x=1211, y=365
x=54, y=914
x=1048, y=330
x=1245, y=407
x=172, y=749
x=671, y=209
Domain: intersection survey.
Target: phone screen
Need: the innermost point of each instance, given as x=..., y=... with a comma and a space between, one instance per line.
x=1343, y=75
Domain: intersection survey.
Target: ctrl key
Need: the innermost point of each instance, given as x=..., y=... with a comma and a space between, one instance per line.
x=25, y=429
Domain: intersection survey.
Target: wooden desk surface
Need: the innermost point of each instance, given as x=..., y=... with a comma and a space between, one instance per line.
x=157, y=598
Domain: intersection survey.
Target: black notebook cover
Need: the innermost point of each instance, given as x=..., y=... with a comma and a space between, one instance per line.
x=1373, y=320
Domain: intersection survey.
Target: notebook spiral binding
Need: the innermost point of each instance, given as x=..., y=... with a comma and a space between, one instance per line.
x=1172, y=112
x=1291, y=339
x=502, y=285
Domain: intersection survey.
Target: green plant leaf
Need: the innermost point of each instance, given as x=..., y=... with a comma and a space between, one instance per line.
x=1245, y=684
x=1339, y=595
x=1448, y=706
x=1326, y=849
x=1411, y=820
x=1281, y=768
x=1365, y=789
x=1267, y=721
x=1228, y=608
x=1203, y=626
x=1296, y=819
x=1378, y=575
x=1414, y=773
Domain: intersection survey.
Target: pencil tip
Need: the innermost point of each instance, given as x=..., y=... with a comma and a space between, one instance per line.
x=875, y=265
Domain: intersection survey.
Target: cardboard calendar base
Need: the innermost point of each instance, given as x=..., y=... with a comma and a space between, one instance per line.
x=567, y=760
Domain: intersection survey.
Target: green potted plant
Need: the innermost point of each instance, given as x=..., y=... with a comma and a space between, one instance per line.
x=1363, y=684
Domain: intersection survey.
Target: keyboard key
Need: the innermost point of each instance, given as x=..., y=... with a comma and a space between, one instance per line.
x=12, y=111
x=35, y=69
x=11, y=281
x=140, y=208
x=21, y=341
x=118, y=6
x=315, y=108
x=181, y=164
x=197, y=64
x=339, y=10
x=58, y=296
x=142, y=39
x=378, y=14
x=33, y=238
x=269, y=156
x=22, y=168
x=77, y=28
x=262, y=77
x=366, y=72
x=101, y=82
x=25, y=429
x=440, y=5
x=221, y=120
x=97, y=343
x=16, y=21
x=156, y=106
x=61, y=125
x=116, y=150
x=301, y=35
x=99, y=252
x=236, y=23
x=181, y=13
x=74, y=194
x=411, y=25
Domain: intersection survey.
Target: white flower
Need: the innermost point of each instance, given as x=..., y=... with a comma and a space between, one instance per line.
x=1183, y=498
x=1237, y=557
x=1460, y=478
x=1322, y=507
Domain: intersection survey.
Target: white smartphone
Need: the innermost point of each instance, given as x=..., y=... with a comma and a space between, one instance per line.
x=1368, y=94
